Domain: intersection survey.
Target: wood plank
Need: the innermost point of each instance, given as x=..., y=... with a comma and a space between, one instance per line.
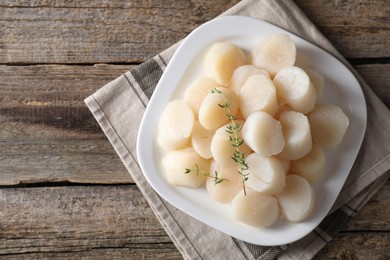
x=116, y=4
x=43, y=86
x=48, y=33
x=59, y=160
x=153, y=251
x=356, y=28
x=80, y=220
x=87, y=221
x=51, y=32
x=45, y=122
x=377, y=77
x=357, y=246
x=47, y=133
x=367, y=235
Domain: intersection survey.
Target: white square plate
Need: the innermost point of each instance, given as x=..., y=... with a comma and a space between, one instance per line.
x=341, y=88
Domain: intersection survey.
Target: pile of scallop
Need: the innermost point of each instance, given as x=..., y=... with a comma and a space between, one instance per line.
x=284, y=131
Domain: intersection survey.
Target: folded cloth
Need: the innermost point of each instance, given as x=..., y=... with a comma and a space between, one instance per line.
x=118, y=107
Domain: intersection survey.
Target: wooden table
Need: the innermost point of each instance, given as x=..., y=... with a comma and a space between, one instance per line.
x=64, y=192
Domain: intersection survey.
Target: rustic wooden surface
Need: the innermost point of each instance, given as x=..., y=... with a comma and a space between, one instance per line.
x=63, y=191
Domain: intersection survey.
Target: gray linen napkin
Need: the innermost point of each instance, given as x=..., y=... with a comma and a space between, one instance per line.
x=118, y=107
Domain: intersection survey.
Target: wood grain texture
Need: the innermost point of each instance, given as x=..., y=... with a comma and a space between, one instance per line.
x=356, y=28
x=82, y=220
x=357, y=246
x=53, y=54
x=47, y=32
x=377, y=77
x=163, y=251
x=47, y=133
x=101, y=32
x=116, y=221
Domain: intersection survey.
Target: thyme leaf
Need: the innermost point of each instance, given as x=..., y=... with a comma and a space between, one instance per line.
x=198, y=171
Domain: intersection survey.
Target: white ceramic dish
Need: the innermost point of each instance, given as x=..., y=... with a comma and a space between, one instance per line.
x=341, y=89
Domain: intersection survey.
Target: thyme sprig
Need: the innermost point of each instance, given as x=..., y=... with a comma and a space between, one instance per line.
x=233, y=129
x=198, y=171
